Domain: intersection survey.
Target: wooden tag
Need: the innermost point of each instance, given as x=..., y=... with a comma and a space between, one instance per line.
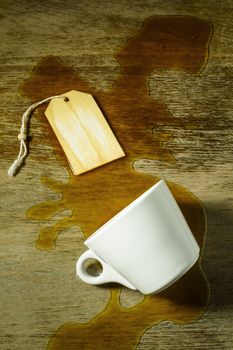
x=82, y=131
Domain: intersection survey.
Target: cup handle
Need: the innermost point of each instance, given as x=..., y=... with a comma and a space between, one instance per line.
x=108, y=274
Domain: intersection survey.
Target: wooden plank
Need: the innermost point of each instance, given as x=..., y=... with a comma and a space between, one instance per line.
x=83, y=132
x=38, y=290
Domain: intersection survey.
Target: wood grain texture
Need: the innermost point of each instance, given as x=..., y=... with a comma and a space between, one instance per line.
x=38, y=292
x=83, y=132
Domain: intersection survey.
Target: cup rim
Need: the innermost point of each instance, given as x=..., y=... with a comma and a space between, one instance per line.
x=124, y=211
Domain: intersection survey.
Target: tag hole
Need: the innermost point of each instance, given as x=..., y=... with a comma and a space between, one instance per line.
x=66, y=99
x=93, y=267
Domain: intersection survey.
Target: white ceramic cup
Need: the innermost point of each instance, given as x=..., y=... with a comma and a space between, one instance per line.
x=146, y=246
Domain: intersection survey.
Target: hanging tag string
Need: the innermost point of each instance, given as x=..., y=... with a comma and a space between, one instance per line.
x=22, y=136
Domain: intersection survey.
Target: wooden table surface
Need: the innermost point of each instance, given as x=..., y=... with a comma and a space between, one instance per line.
x=39, y=291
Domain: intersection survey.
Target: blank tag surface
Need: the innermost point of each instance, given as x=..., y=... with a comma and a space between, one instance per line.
x=82, y=131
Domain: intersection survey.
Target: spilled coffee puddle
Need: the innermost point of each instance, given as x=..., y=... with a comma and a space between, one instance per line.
x=178, y=42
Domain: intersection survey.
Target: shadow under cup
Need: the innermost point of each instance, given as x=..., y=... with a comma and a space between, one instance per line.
x=147, y=246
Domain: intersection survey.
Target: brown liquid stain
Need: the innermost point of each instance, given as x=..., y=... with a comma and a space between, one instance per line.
x=179, y=42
